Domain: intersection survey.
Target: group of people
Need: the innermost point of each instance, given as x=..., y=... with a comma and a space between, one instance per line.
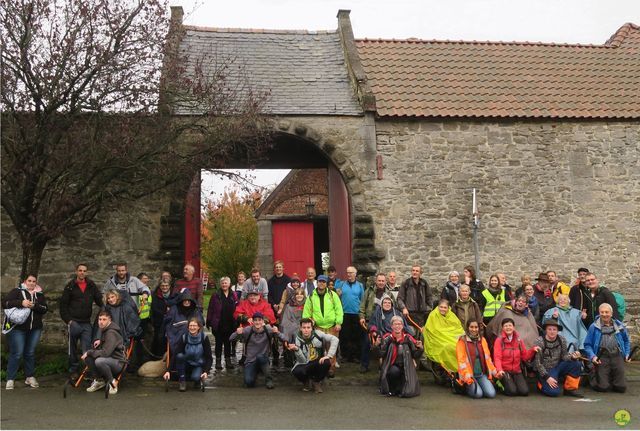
x=479, y=335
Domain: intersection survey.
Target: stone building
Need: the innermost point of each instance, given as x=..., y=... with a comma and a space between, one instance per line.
x=547, y=133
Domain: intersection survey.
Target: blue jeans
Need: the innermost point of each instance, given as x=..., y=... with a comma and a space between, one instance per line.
x=183, y=368
x=560, y=372
x=251, y=370
x=78, y=331
x=22, y=343
x=482, y=387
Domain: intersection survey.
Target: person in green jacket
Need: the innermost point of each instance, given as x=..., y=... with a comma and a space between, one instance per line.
x=325, y=309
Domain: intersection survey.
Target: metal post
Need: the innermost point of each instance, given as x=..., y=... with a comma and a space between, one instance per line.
x=476, y=224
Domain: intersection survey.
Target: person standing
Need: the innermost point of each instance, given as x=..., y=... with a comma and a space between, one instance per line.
x=371, y=301
x=192, y=283
x=277, y=285
x=163, y=300
x=415, y=298
x=76, y=307
x=255, y=284
x=24, y=337
x=221, y=322
x=351, y=295
x=122, y=280
x=589, y=300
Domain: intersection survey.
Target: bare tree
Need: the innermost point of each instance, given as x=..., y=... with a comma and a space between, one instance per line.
x=89, y=93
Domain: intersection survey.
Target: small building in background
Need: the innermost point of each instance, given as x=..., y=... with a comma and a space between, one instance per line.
x=293, y=223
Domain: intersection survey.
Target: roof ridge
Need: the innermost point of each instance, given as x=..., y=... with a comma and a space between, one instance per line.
x=481, y=42
x=256, y=30
x=621, y=34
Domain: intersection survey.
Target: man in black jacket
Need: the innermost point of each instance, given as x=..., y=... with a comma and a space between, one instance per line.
x=414, y=297
x=76, y=306
x=588, y=300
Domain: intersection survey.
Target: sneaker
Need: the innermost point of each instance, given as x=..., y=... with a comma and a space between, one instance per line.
x=270, y=384
x=183, y=386
x=10, y=385
x=31, y=381
x=306, y=386
x=317, y=387
x=113, y=388
x=96, y=385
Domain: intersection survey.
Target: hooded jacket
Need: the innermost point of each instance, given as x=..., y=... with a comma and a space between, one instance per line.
x=245, y=310
x=160, y=306
x=370, y=302
x=14, y=299
x=180, y=348
x=111, y=344
x=380, y=322
x=176, y=321
x=390, y=349
x=581, y=299
x=125, y=316
x=331, y=313
x=317, y=341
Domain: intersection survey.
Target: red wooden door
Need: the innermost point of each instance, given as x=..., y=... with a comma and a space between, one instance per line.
x=293, y=244
x=339, y=223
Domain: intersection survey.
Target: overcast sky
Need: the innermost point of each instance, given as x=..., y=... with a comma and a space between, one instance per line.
x=561, y=21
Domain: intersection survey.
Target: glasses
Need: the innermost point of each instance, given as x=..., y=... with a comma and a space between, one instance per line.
x=589, y=280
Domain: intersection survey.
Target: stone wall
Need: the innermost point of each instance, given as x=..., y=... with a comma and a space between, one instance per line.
x=551, y=196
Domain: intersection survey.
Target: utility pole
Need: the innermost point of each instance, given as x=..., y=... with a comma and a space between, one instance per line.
x=476, y=225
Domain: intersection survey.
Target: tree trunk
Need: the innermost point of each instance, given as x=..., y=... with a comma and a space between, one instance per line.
x=31, y=255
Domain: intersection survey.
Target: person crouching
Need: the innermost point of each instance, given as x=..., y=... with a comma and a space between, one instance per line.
x=399, y=350
x=312, y=364
x=108, y=358
x=257, y=342
x=192, y=357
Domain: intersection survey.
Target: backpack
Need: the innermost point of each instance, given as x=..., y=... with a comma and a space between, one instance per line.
x=620, y=304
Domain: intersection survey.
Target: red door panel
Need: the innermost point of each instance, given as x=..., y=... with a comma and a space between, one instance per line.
x=339, y=223
x=293, y=244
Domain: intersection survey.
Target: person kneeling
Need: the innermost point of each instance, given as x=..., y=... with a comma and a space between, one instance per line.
x=553, y=363
x=474, y=363
x=312, y=365
x=607, y=347
x=257, y=344
x=399, y=350
x=191, y=357
x=108, y=357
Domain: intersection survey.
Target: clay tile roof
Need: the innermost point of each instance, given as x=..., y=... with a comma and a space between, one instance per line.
x=304, y=72
x=427, y=78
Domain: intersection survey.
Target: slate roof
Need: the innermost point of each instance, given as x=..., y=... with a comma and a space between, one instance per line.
x=304, y=71
x=418, y=78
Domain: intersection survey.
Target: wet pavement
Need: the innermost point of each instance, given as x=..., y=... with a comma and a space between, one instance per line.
x=349, y=401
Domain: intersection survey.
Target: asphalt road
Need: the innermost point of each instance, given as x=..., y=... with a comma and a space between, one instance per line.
x=144, y=405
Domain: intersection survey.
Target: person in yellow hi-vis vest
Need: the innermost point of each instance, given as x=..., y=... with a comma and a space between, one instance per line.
x=492, y=299
x=144, y=312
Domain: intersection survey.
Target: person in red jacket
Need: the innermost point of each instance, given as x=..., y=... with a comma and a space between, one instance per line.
x=508, y=353
x=254, y=303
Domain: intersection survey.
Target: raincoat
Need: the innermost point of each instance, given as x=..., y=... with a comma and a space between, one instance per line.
x=573, y=329
x=524, y=322
x=441, y=334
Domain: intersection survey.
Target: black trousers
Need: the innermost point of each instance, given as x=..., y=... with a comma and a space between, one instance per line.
x=514, y=384
x=222, y=341
x=395, y=379
x=609, y=374
x=313, y=370
x=351, y=337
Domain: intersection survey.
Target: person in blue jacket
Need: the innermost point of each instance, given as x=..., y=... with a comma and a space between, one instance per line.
x=607, y=346
x=351, y=293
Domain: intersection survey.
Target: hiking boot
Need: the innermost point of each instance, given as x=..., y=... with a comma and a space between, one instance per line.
x=306, y=386
x=363, y=369
x=10, y=384
x=96, y=385
x=317, y=387
x=31, y=381
x=269, y=384
x=228, y=363
x=331, y=374
x=218, y=363
x=113, y=388
x=574, y=393
x=183, y=386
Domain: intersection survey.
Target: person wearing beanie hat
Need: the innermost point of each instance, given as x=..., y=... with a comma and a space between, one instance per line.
x=554, y=364
x=257, y=339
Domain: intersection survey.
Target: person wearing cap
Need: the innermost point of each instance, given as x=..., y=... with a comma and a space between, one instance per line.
x=254, y=303
x=509, y=353
x=324, y=307
x=312, y=359
x=257, y=343
x=255, y=284
x=554, y=364
x=588, y=299
x=607, y=346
